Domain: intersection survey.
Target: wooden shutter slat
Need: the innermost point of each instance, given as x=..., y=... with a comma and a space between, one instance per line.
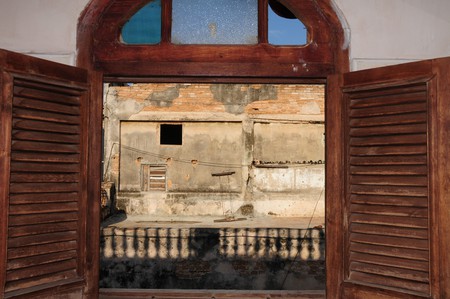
x=371, y=229
x=44, y=147
x=46, y=106
x=40, y=270
x=52, y=278
x=45, y=116
x=41, y=239
x=389, y=100
x=389, y=140
x=36, y=125
x=388, y=130
x=46, y=137
x=42, y=218
x=411, y=118
x=43, y=187
x=389, y=170
x=390, y=221
x=27, y=198
x=387, y=92
x=388, y=150
x=400, y=108
x=40, y=92
x=390, y=261
x=43, y=177
x=44, y=167
x=34, y=250
x=406, y=274
x=389, y=210
x=389, y=241
x=45, y=157
x=391, y=282
x=401, y=253
x=403, y=201
x=388, y=160
x=41, y=259
x=25, y=230
x=389, y=180
x=389, y=190
x=39, y=208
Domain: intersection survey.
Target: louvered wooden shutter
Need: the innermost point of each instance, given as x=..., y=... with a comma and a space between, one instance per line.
x=44, y=184
x=388, y=207
x=153, y=177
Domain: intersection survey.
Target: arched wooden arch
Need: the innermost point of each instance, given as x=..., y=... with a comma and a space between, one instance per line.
x=100, y=51
x=99, y=47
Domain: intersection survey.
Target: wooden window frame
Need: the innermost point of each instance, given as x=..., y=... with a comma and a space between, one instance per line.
x=100, y=50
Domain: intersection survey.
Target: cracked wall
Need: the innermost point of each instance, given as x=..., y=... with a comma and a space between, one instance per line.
x=231, y=133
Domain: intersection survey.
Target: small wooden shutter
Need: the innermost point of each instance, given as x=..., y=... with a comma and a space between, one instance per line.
x=388, y=241
x=153, y=177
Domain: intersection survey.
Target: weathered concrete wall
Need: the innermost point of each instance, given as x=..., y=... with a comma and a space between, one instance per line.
x=228, y=131
x=208, y=148
x=213, y=258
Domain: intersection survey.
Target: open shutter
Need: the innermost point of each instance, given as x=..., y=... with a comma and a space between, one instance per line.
x=44, y=117
x=390, y=176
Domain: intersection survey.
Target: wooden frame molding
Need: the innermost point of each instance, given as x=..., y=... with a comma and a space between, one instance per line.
x=100, y=51
x=99, y=47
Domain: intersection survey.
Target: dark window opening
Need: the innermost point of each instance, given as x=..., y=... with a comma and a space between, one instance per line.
x=171, y=134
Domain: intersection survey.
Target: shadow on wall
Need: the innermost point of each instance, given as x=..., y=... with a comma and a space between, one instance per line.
x=213, y=258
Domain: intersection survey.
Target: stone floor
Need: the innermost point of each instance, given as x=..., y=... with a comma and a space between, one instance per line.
x=134, y=221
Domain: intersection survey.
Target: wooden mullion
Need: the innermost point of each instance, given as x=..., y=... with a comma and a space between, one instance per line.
x=263, y=22
x=89, y=261
x=166, y=20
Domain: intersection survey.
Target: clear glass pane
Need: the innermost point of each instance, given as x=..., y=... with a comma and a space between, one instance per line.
x=215, y=22
x=286, y=31
x=144, y=27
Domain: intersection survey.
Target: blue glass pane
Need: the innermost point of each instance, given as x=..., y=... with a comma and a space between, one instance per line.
x=286, y=32
x=144, y=27
x=215, y=22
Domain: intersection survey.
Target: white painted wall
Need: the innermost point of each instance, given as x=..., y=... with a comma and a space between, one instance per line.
x=42, y=28
x=381, y=32
x=387, y=32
